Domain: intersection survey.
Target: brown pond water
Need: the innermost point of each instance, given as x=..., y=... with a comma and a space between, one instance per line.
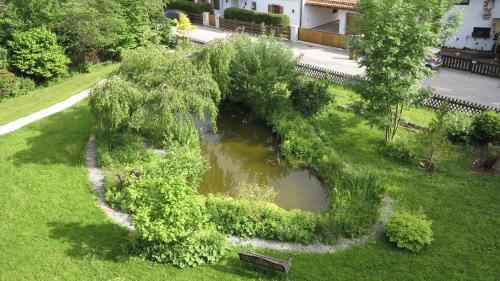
x=244, y=150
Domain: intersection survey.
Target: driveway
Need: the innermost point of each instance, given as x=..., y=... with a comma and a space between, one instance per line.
x=452, y=83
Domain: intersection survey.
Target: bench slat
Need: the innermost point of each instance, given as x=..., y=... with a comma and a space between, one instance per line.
x=272, y=263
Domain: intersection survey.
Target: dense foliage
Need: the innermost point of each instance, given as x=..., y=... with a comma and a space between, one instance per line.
x=311, y=96
x=3, y=58
x=409, y=231
x=169, y=219
x=486, y=127
x=11, y=86
x=190, y=7
x=37, y=54
x=260, y=219
x=87, y=30
x=234, y=13
x=157, y=93
x=385, y=30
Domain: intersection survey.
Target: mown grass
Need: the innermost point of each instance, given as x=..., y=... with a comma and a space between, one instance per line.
x=52, y=229
x=420, y=116
x=17, y=107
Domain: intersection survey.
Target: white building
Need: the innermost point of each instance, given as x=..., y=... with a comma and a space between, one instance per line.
x=325, y=15
x=481, y=21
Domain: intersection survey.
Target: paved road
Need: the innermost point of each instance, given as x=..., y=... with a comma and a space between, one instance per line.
x=466, y=86
x=453, y=83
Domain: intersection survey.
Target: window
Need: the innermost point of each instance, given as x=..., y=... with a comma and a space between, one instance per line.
x=463, y=2
x=275, y=9
x=254, y=6
x=481, y=32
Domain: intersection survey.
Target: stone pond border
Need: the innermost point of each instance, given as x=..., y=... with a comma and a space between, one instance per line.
x=96, y=178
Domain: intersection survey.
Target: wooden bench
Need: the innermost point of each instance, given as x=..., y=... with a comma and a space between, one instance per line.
x=271, y=263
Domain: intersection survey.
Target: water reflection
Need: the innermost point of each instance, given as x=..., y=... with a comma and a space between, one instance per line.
x=244, y=150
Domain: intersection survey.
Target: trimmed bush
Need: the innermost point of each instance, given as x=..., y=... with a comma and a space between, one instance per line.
x=260, y=219
x=256, y=17
x=486, y=127
x=409, y=231
x=311, y=96
x=190, y=7
x=458, y=127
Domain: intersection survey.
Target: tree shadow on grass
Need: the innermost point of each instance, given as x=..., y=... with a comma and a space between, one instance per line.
x=59, y=139
x=102, y=241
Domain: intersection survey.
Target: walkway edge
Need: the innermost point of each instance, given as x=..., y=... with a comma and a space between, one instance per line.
x=55, y=108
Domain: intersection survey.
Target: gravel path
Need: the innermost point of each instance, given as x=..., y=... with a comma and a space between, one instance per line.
x=97, y=180
x=23, y=121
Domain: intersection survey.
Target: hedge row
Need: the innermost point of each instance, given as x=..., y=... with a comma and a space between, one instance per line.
x=260, y=219
x=190, y=7
x=257, y=17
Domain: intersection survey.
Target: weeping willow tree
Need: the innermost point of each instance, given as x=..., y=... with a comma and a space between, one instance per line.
x=158, y=93
x=393, y=39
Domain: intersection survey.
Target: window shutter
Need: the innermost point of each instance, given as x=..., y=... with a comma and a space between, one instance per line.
x=269, y=8
x=281, y=9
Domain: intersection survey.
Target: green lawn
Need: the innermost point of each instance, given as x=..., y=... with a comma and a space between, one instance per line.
x=420, y=116
x=17, y=107
x=52, y=229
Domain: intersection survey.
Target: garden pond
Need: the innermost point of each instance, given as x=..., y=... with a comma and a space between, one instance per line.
x=244, y=150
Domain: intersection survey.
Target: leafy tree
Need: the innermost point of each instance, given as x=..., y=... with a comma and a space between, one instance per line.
x=394, y=37
x=37, y=54
x=91, y=28
x=157, y=93
x=262, y=72
x=21, y=15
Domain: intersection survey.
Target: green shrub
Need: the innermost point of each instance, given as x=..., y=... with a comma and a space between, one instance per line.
x=26, y=85
x=399, y=152
x=4, y=63
x=36, y=53
x=8, y=84
x=256, y=17
x=356, y=202
x=217, y=57
x=268, y=69
x=458, y=127
x=170, y=220
x=11, y=86
x=486, y=127
x=311, y=96
x=409, y=231
x=190, y=7
x=260, y=219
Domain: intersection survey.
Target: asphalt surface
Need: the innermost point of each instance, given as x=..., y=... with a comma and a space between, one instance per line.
x=452, y=83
